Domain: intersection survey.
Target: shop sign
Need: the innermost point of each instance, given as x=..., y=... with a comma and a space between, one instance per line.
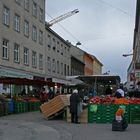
x=8, y=73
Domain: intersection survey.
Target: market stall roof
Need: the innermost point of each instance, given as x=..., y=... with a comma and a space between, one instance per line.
x=104, y=79
x=22, y=81
x=74, y=81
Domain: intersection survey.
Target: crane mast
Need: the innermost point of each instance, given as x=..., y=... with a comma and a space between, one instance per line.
x=62, y=17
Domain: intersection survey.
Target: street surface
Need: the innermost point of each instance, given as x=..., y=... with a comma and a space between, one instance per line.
x=32, y=126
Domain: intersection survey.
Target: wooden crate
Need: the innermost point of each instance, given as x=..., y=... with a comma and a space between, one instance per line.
x=53, y=106
x=82, y=119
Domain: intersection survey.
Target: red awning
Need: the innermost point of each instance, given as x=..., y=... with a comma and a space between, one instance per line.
x=22, y=81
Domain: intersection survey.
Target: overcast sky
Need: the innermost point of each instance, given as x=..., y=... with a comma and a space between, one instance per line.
x=104, y=27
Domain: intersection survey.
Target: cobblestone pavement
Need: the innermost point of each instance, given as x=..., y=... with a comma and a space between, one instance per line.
x=32, y=126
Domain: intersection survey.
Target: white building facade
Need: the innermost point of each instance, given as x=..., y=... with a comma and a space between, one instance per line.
x=22, y=28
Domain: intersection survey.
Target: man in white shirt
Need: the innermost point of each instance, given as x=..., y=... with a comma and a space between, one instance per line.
x=120, y=92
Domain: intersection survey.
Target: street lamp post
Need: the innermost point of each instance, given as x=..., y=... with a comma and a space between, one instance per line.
x=134, y=69
x=125, y=55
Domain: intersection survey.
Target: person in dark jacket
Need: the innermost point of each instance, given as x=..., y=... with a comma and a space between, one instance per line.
x=74, y=100
x=108, y=90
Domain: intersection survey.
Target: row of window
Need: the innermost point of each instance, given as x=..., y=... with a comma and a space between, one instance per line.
x=52, y=65
x=6, y=21
x=57, y=67
x=36, y=10
x=5, y=55
x=56, y=46
x=75, y=71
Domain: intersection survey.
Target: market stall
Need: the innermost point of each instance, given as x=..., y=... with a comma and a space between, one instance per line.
x=102, y=107
x=100, y=82
x=17, y=100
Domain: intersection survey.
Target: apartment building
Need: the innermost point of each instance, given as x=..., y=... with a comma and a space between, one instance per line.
x=97, y=66
x=22, y=29
x=77, y=61
x=30, y=49
x=133, y=72
x=88, y=59
x=58, y=58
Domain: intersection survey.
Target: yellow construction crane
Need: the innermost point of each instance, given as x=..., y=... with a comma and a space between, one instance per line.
x=62, y=17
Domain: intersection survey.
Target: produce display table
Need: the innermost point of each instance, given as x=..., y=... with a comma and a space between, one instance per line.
x=107, y=107
x=135, y=113
x=24, y=106
x=105, y=113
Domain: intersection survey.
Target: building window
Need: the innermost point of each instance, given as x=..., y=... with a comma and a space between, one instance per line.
x=26, y=56
x=6, y=16
x=5, y=45
x=40, y=61
x=34, y=11
x=18, y=1
x=17, y=23
x=58, y=67
x=34, y=59
x=58, y=46
x=68, y=70
x=26, y=5
x=65, y=71
x=65, y=50
x=16, y=53
x=26, y=28
x=41, y=15
x=53, y=65
x=34, y=33
x=41, y=37
x=61, y=49
x=62, y=68
x=49, y=41
x=49, y=63
x=54, y=44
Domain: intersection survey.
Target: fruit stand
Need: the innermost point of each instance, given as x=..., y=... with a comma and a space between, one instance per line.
x=107, y=106
x=18, y=103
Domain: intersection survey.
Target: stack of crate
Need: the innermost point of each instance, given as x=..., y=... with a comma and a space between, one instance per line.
x=20, y=107
x=105, y=113
x=33, y=106
x=95, y=117
x=108, y=113
x=1, y=109
x=134, y=113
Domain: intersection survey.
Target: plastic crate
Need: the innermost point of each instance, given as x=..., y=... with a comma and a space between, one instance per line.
x=135, y=113
x=134, y=107
x=95, y=117
x=106, y=113
x=1, y=109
